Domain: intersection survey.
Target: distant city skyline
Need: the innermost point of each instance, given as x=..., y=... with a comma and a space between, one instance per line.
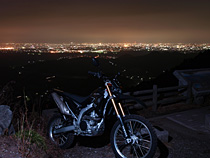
x=123, y=21
x=100, y=47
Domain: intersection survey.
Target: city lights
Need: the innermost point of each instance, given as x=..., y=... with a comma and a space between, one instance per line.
x=7, y=48
x=101, y=47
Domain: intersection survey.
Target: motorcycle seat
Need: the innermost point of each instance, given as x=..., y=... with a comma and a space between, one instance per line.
x=77, y=98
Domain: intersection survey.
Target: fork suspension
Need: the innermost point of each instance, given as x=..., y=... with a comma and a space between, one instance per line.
x=117, y=112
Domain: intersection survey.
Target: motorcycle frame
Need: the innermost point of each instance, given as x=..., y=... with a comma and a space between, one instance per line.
x=120, y=113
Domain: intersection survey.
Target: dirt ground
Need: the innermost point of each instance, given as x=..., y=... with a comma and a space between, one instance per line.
x=183, y=142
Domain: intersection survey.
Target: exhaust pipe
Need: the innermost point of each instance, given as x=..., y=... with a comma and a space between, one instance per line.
x=61, y=105
x=64, y=129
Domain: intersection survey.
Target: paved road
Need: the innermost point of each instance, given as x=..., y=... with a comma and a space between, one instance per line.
x=188, y=136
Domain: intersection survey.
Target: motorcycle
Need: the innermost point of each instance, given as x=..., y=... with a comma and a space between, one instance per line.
x=131, y=135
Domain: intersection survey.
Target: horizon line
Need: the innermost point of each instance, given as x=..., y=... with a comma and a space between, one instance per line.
x=105, y=42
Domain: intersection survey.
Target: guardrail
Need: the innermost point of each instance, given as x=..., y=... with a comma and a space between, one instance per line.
x=160, y=96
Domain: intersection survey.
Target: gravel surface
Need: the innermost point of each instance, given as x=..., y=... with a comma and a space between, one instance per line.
x=88, y=152
x=183, y=142
x=8, y=148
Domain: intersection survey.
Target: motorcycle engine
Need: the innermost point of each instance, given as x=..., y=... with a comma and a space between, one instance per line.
x=92, y=124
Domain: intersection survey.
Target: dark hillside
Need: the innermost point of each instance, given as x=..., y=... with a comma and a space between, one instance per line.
x=72, y=73
x=168, y=79
x=154, y=63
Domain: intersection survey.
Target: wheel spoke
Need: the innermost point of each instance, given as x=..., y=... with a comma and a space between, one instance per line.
x=139, y=131
x=64, y=137
x=120, y=141
x=146, y=136
x=144, y=140
x=141, y=150
x=135, y=151
x=61, y=141
x=123, y=146
x=145, y=147
x=140, y=138
x=134, y=126
x=120, y=135
x=131, y=128
x=120, y=132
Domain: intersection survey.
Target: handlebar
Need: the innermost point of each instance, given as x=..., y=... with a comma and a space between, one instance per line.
x=100, y=75
x=92, y=73
x=118, y=74
x=114, y=80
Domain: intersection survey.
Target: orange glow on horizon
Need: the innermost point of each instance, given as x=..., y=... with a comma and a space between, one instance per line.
x=7, y=48
x=126, y=45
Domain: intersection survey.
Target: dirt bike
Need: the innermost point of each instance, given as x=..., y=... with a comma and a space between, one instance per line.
x=131, y=135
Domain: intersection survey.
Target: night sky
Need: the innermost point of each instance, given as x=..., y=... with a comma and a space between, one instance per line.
x=58, y=21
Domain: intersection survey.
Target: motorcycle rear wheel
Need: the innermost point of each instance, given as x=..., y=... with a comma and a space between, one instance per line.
x=141, y=141
x=62, y=140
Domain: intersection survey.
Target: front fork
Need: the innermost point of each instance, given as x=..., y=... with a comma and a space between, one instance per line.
x=117, y=111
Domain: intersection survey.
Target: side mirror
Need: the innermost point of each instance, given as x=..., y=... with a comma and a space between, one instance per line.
x=95, y=62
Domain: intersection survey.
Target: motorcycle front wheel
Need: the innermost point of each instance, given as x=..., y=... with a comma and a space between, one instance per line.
x=141, y=141
x=63, y=140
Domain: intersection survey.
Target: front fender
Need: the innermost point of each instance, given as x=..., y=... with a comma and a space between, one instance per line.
x=121, y=97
